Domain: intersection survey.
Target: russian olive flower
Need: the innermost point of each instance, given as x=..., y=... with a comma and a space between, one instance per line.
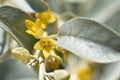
x=34, y=28
x=46, y=44
x=45, y=17
x=84, y=72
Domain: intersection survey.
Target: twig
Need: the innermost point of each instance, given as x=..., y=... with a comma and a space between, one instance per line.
x=41, y=69
x=33, y=57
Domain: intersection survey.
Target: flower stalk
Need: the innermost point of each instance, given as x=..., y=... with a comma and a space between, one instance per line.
x=42, y=70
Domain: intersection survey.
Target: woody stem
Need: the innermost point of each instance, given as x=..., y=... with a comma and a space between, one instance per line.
x=41, y=69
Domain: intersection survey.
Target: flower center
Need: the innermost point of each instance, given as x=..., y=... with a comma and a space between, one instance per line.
x=47, y=43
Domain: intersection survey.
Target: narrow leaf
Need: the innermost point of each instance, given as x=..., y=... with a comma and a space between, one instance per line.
x=4, y=42
x=90, y=40
x=104, y=12
x=114, y=22
x=12, y=21
x=37, y=5
x=111, y=71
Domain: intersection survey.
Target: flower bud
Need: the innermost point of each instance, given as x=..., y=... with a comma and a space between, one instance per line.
x=61, y=75
x=21, y=54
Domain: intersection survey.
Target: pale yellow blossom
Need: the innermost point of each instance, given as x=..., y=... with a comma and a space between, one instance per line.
x=84, y=72
x=34, y=28
x=45, y=17
x=46, y=44
x=64, y=52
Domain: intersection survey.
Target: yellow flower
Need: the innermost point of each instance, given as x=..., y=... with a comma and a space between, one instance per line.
x=53, y=62
x=64, y=52
x=84, y=73
x=46, y=44
x=34, y=28
x=45, y=17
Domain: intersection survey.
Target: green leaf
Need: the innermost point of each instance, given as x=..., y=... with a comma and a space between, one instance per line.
x=90, y=40
x=57, y=6
x=114, y=21
x=79, y=7
x=12, y=21
x=104, y=12
x=38, y=5
x=4, y=41
x=16, y=70
x=68, y=15
x=52, y=28
x=114, y=68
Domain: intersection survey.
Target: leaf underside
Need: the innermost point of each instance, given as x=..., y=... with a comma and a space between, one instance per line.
x=90, y=40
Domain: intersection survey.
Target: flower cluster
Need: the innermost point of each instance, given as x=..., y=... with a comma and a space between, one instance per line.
x=46, y=17
x=46, y=44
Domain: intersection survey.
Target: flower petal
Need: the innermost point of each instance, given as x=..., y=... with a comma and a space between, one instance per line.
x=29, y=24
x=46, y=17
x=38, y=46
x=46, y=53
x=38, y=23
x=52, y=19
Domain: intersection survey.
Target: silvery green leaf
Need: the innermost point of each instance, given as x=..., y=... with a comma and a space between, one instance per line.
x=90, y=40
x=4, y=41
x=114, y=21
x=111, y=71
x=14, y=70
x=68, y=15
x=52, y=28
x=79, y=7
x=37, y=5
x=12, y=21
x=57, y=5
x=103, y=10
